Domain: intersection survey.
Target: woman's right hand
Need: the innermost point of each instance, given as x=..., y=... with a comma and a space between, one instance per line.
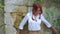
x=19, y=31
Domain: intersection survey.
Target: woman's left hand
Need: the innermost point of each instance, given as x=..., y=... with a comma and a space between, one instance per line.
x=54, y=31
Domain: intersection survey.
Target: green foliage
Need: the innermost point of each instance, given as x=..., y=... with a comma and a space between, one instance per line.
x=1, y=4
x=55, y=1
x=58, y=21
x=39, y=1
x=1, y=7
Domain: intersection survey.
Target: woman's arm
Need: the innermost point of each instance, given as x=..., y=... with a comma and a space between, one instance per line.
x=48, y=25
x=22, y=24
x=45, y=21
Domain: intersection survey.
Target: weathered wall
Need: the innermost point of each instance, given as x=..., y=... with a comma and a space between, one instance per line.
x=12, y=12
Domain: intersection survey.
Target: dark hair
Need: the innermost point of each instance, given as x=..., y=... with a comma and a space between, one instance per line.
x=36, y=6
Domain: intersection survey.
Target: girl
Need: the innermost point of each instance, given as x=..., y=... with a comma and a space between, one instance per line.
x=34, y=19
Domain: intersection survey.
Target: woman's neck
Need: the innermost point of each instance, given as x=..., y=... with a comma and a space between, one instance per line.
x=35, y=14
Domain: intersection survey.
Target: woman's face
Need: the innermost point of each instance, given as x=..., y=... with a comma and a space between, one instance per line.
x=38, y=11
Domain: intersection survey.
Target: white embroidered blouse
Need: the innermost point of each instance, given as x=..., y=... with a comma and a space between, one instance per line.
x=33, y=25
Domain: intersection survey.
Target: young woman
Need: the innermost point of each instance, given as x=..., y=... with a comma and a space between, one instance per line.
x=34, y=19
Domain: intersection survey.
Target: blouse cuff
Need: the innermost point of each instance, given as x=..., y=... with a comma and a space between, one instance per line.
x=20, y=27
x=49, y=26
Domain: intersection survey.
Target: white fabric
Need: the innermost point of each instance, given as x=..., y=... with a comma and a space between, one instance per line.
x=32, y=24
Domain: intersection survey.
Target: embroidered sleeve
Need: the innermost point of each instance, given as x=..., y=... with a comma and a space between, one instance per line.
x=45, y=21
x=24, y=20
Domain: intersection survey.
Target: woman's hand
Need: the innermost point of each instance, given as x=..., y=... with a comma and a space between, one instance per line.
x=54, y=31
x=19, y=31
